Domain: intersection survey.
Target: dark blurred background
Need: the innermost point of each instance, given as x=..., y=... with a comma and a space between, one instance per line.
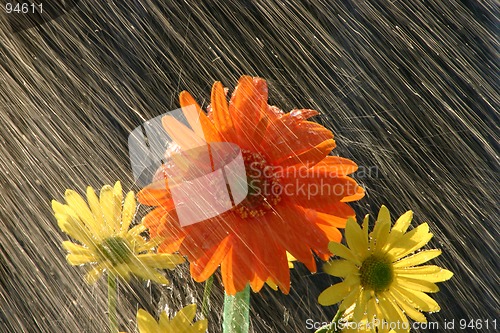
x=409, y=88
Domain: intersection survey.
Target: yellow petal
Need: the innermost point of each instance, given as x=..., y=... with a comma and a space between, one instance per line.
x=271, y=284
x=146, y=322
x=340, y=268
x=429, y=273
x=343, y=252
x=199, y=327
x=160, y=260
x=79, y=259
x=185, y=316
x=75, y=248
x=334, y=294
x=136, y=231
x=366, y=222
x=350, y=299
x=128, y=213
x=409, y=242
x=416, y=284
x=354, y=237
x=142, y=246
x=392, y=313
x=94, y=274
x=384, y=216
x=399, y=228
x=361, y=304
x=147, y=273
x=417, y=259
x=380, y=232
x=118, y=197
x=95, y=207
x=75, y=230
x=58, y=207
x=408, y=308
x=107, y=202
x=78, y=205
x=419, y=299
x=403, y=222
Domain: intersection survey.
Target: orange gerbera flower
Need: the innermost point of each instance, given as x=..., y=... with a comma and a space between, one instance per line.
x=282, y=151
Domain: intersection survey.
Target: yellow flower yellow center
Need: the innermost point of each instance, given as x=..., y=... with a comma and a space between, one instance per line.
x=116, y=250
x=264, y=190
x=376, y=273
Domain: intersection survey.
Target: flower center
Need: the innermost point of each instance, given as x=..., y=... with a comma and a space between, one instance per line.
x=376, y=273
x=264, y=190
x=116, y=250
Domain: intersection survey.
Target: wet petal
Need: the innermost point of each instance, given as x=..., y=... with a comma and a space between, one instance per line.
x=220, y=112
x=94, y=274
x=417, y=284
x=160, y=260
x=128, y=213
x=107, y=202
x=311, y=156
x=409, y=242
x=197, y=119
x=429, y=273
x=334, y=294
x=340, y=268
x=343, y=252
x=181, y=134
x=80, y=207
x=146, y=322
x=80, y=259
x=184, y=317
x=408, y=308
x=421, y=300
x=417, y=259
x=355, y=238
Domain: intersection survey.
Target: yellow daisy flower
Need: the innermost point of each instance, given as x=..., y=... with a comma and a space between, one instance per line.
x=181, y=323
x=106, y=242
x=380, y=279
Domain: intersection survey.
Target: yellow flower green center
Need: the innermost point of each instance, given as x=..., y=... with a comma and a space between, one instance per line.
x=116, y=250
x=376, y=273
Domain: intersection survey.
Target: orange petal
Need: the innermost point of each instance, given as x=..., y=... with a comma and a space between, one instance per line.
x=181, y=134
x=169, y=228
x=299, y=235
x=285, y=138
x=235, y=269
x=206, y=234
x=316, y=192
x=335, y=166
x=197, y=119
x=155, y=195
x=360, y=193
x=153, y=218
x=247, y=106
x=311, y=156
x=260, y=130
x=203, y=267
x=327, y=219
x=220, y=112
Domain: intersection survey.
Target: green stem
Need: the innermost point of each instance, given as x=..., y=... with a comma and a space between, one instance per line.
x=112, y=299
x=236, y=312
x=206, y=296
